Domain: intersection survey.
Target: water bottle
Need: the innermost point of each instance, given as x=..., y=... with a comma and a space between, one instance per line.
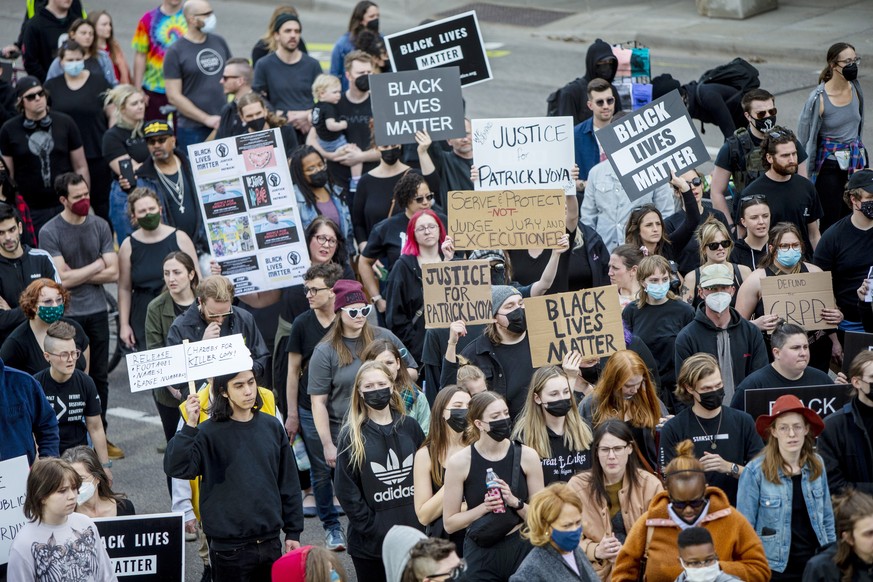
x=493, y=489
x=300, y=454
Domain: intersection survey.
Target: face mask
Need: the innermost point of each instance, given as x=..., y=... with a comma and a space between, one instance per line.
x=373, y=25
x=707, y=574
x=318, y=179
x=75, y=68
x=499, y=430
x=867, y=208
x=718, y=302
x=363, y=83
x=50, y=314
x=605, y=71
x=149, y=221
x=566, y=541
x=712, y=400
x=766, y=124
x=657, y=291
x=788, y=258
x=81, y=207
x=86, y=492
x=850, y=72
x=209, y=24
x=391, y=156
x=378, y=399
x=517, y=321
x=257, y=124
x=334, y=576
x=457, y=419
x=559, y=407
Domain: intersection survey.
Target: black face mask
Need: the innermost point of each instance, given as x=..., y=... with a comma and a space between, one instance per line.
x=373, y=25
x=850, y=72
x=257, y=124
x=457, y=419
x=318, y=179
x=712, y=400
x=867, y=208
x=591, y=374
x=559, y=407
x=604, y=71
x=517, y=321
x=766, y=124
x=391, y=156
x=377, y=399
x=363, y=83
x=499, y=429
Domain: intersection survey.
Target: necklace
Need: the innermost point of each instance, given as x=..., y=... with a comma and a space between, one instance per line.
x=712, y=438
x=176, y=188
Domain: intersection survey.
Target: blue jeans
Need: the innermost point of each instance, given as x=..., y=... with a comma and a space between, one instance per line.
x=251, y=562
x=186, y=136
x=320, y=472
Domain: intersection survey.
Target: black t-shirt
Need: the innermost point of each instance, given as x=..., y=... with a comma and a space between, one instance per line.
x=118, y=142
x=793, y=201
x=658, y=326
x=359, y=116
x=320, y=114
x=517, y=369
x=306, y=333
x=804, y=542
x=768, y=377
x=20, y=350
x=184, y=221
x=527, y=270
x=72, y=401
x=85, y=106
x=563, y=463
x=723, y=158
x=373, y=201
x=579, y=275
x=847, y=252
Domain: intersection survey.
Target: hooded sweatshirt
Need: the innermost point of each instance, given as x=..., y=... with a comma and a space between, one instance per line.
x=399, y=541
x=15, y=276
x=40, y=40
x=573, y=99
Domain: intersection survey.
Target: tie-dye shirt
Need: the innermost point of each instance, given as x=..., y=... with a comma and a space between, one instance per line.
x=154, y=34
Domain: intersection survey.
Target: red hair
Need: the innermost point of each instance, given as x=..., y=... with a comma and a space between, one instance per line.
x=411, y=246
x=30, y=296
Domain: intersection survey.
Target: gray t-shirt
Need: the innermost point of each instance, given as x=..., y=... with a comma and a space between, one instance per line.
x=288, y=87
x=200, y=67
x=79, y=245
x=326, y=376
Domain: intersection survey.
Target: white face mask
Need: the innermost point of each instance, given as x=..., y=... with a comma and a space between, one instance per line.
x=209, y=24
x=718, y=302
x=705, y=574
x=86, y=492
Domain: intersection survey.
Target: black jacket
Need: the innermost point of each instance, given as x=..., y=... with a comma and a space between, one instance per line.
x=40, y=40
x=596, y=254
x=7, y=102
x=573, y=100
x=845, y=447
x=822, y=568
x=15, y=276
x=380, y=494
x=717, y=104
x=404, y=314
x=744, y=255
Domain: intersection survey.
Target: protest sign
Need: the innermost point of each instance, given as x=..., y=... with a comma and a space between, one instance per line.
x=853, y=344
x=506, y=219
x=454, y=41
x=523, y=153
x=456, y=290
x=824, y=400
x=187, y=362
x=13, y=489
x=250, y=210
x=145, y=547
x=587, y=321
x=799, y=298
x=646, y=145
x=404, y=103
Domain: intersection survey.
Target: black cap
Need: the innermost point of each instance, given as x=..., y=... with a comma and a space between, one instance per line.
x=25, y=84
x=663, y=84
x=862, y=179
x=156, y=128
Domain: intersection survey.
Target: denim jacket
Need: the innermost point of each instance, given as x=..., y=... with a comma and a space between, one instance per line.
x=768, y=505
x=309, y=213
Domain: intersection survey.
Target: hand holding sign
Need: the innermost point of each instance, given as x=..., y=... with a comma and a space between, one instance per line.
x=805, y=299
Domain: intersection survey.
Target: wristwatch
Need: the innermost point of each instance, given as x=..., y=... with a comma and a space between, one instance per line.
x=519, y=506
x=108, y=464
x=735, y=470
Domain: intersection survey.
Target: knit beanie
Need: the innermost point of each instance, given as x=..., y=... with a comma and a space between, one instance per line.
x=499, y=295
x=347, y=293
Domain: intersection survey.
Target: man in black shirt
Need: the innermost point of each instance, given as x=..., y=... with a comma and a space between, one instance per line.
x=236, y=82
x=724, y=438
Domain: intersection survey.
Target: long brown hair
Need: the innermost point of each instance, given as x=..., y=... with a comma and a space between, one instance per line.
x=773, y=460
x=632, y=229
x=437, y=440
x=335, y=336
x=89, y=459
x=477, y=407
x=776, y=234
x=644, y=409
x=621, y=431
x=268, y=37
x=849, y=508
x=833, y=54
x=273, y=119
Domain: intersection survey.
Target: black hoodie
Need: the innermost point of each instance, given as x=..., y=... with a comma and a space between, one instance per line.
x=573, y=98
x=40, y=40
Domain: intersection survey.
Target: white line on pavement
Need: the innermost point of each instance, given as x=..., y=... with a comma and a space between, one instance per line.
x=131, y=414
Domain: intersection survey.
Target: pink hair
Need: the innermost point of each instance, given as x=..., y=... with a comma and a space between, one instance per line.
x=411, y=246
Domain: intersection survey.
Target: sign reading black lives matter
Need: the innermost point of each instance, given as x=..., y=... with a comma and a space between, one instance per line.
x=454, y=41
x=404, y=103
x=824, y=400
x=646, y=145
x=145, y=547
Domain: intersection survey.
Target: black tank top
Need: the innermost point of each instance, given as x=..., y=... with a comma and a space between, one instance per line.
x=474, y=486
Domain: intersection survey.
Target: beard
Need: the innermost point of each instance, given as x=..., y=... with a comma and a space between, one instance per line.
x=786, y=170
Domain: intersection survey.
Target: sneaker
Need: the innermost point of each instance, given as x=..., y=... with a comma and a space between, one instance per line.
x=309, y=509
x=335, y=540
x=114, y=451
x=207, y=574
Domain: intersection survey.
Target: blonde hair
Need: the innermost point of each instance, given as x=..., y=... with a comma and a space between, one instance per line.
x=773, y=461
x=118, y=97
x=215, y=287
x=322, y=83
x=707, y=231
x=693, y=369
x=467, y=372
x=545, y=507
x=650, y=266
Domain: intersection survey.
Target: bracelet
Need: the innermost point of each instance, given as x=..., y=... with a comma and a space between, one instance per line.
x=108, y=465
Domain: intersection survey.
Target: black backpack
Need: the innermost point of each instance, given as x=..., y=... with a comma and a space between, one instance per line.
x=554, y=98
x=738, y=73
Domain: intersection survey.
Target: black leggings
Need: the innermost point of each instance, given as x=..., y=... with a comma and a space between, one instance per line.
x=830, y=184
x=369, y=569
x=497, y=563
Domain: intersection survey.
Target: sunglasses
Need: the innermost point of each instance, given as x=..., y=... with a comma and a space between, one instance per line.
x=34, y=96
x=764, y=114
x=353, y=312
x=421, y=199
x=779, y=134
x=693, y=182
x=693, y=504
x=713, y=246
x=607, y=101
x=157, y=140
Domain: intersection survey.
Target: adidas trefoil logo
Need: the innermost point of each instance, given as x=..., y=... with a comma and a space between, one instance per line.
x=393, y=471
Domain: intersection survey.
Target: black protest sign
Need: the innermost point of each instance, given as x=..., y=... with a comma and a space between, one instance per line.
x=145, y=547
x=646, y=145
x=404, y=103
x=456, y=290
x=454, y=41
x=824, y=400
x=853, y=344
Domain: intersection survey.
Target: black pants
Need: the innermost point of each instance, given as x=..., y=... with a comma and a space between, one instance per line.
x=252, y=562
x=39, y=216
x=96, y=326
x=497, y=563
x=101, y=182
x=369, y=570
x=830, y=185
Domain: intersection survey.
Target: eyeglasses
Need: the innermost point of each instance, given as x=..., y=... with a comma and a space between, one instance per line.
x=779, y=133
x=753, y=198
x=701, y=563
x=74, y=355
x=607, y=101
x=847, y=62
x=453, y=574
x=307, y=291
x=614, y=451
x=765, y=113
x=325, y=241
x=420, y=199
x=693, y=504
x=714, y=246
x=353, y=312
x=787, y=429
x=157, y=140
x=790, y=246
x=426, y=228
x=34, y=96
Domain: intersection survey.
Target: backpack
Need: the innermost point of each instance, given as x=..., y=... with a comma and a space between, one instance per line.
x=554, y=98
x=738, y=73
x=745, y=163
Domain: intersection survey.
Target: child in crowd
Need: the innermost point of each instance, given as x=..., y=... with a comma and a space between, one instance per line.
x=698, y=558
x=329, y=128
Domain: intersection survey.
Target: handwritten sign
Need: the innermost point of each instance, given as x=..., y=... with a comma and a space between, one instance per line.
x=506, y=219
x=799, y=298
x=13, y=489
x=825, y=400
x=587, y=321
x=853, y=344
x=457, y=290
x=453, y=41
x=646, y=145
x=524, y=153
x=145, y=547
x=182, y=363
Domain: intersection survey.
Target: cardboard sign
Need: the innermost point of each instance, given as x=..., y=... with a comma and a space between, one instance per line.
x=506, y=219
x=454, y=41
x=825, y=400
x=646, y=145
x=13, y=489
x=523, y=153
x=187, y=362
x=404, y=103
x=853, y=344
x=145, y=547
x=587, y=321
x=456, y=290
x=799, y=298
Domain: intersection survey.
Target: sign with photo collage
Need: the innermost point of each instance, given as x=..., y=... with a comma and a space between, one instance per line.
x=250, y=210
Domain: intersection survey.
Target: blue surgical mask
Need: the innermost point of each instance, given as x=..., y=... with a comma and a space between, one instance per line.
x=567, y=541
x=334, y=576
x=74, y=68
x=209, y=24
x=657, y=291
x=788, y=258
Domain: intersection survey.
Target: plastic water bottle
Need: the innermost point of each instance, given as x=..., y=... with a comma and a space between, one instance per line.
x=493, y=489
x=300, y=454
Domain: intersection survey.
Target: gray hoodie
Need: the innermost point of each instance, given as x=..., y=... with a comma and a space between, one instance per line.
x=399, y=540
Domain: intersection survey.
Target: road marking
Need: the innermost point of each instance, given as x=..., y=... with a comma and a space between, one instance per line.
x=131, y=414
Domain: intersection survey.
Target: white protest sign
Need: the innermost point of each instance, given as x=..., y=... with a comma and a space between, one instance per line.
x=524, y=153
x=13, y=487
x=183, y=363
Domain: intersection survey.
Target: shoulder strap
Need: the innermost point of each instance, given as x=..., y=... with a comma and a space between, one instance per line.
x=516, y=466
x=737, y=275
x=650, y=531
